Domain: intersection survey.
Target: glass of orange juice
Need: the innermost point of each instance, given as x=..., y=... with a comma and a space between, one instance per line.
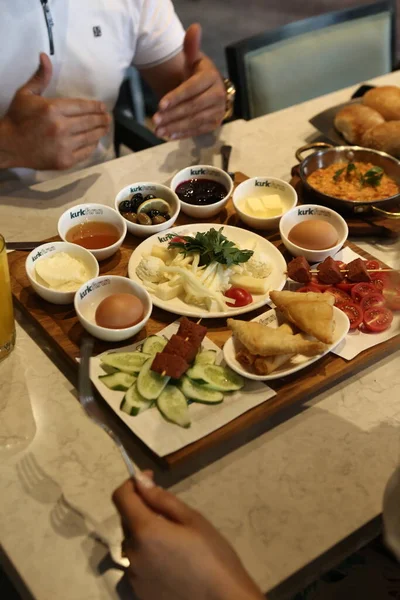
x=7, y=324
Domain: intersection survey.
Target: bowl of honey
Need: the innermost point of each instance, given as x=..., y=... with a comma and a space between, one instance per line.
x=96, y=227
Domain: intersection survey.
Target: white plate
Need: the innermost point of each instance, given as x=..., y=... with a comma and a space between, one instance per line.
x=276, y=279
x=299, y=361
x=164, y=437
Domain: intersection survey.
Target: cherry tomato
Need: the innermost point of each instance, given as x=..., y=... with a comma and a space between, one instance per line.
x=346, y=286
x=177, y=240
x=354, y=313
x=373, y=299
x=340, y=295
x=321, y=286
x=360, y=290
x=239, y=295
x=372, y=264
x=308, y=288
x=378, y=318
x=379, y=280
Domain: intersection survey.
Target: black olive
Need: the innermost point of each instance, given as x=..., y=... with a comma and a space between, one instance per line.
x=150, y=197
x=165, y=215
x=137, y=197
x=153, y=213
x=125, y=206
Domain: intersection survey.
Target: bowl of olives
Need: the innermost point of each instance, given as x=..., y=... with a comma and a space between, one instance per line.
x=147, y=207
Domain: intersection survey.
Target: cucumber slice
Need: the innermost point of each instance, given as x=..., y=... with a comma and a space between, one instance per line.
x=221, y=379
x=198, y=393
x=118, y=381
x=173, y=406
x=133, y=403
x=206, y=357
x=150, y=384
x=107, y=369
x=127, y=362
x=154, y=344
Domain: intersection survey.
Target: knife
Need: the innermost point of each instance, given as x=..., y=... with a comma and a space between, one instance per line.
x=22, y=245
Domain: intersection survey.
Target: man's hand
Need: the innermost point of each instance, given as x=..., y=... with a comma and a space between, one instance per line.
x=174, y=552
x=44, y=133
x=197, y=105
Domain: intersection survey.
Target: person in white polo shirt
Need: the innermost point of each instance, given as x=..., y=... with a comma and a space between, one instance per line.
x=61, y=66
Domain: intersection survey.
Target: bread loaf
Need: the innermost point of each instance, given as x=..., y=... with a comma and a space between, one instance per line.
x=353, y=120
x=384, y=137
x=386, y=100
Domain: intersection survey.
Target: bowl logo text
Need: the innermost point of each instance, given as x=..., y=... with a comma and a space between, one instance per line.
x=314, y=211
x=40, y=253
x=82, y=212
x=93, y=286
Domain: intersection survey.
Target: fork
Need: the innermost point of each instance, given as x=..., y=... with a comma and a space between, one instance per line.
x=89, y=404
x=65, y=516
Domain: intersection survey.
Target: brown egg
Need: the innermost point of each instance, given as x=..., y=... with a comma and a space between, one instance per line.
x=314, y=234
x=119, y=311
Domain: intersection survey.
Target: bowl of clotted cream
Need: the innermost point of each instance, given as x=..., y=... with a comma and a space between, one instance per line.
x=261, y=201
x=56, y=270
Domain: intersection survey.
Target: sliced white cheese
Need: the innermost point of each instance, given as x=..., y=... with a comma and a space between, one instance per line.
x=165, y=291
x=62, y=272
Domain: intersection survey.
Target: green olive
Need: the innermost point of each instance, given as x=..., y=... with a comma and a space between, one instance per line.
x=158, y=219
x=144, y=219
x=132, y=217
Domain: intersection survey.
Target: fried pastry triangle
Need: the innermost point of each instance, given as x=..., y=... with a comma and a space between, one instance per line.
x=281, y=299
x=314, y=318
x=265, y=341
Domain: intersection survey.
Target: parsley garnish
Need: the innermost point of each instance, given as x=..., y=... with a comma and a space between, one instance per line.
x=338, y=174
x=372, y=177
x=350, y=167
x=212, y=246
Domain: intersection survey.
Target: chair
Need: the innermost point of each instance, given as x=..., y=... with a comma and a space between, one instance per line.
x=309, y=58
x=129, y=116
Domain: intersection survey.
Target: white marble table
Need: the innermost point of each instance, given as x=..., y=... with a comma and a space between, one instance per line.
x=284, y=493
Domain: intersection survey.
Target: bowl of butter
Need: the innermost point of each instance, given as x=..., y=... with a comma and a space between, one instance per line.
x=56, y=270
x=261, y=201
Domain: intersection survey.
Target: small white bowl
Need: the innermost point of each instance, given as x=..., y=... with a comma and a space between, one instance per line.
x=158, y=190
x=203, y=172
x=309, y=212
x=47, y=250
x=263, y=186
x=89, y=296
x=83, y=213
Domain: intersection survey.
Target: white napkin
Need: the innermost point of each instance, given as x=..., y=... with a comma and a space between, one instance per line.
x=357, y=341
x=163, y=437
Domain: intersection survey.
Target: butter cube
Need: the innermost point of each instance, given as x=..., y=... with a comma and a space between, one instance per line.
x=255, y=207
x=272, y=202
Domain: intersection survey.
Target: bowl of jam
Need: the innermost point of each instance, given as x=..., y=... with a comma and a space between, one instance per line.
x=147, y=208
x=203, y=190
x=96, y=227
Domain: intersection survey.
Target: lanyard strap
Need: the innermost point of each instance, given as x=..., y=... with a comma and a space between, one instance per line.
x=49, y=24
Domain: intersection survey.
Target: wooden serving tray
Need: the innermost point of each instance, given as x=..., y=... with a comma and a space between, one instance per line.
x=359, y=226
x=63, y=331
